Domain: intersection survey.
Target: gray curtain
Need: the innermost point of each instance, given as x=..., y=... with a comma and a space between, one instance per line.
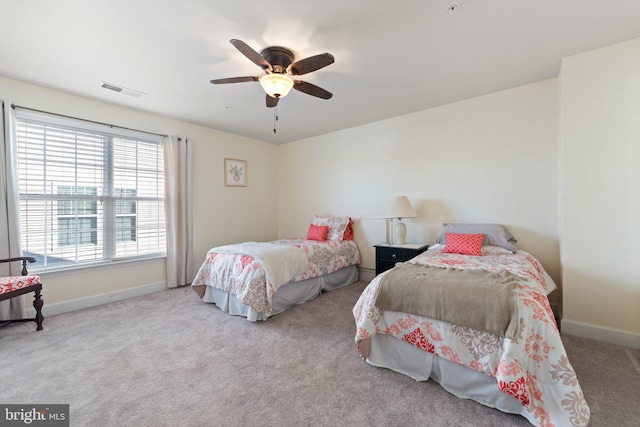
x=177, y=162
x=14, y=308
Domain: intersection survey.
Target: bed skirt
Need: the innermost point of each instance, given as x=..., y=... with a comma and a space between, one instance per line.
x=286, y=296
x=399, y=356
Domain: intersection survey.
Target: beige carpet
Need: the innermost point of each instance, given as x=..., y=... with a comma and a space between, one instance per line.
x=168, y=359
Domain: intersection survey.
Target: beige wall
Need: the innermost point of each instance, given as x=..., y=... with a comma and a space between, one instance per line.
x=600, y=192
x=503, y=157
x=221, y=214
x=487, y=159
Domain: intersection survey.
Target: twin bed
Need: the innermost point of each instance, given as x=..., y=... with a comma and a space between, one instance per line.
x=257, y=280
x=470, y=313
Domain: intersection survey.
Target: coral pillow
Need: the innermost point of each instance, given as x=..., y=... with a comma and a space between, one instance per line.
x=317, y=232
x=465, y=244
x=348, y=232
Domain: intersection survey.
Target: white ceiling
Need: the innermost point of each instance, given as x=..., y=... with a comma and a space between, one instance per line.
x=391, y=58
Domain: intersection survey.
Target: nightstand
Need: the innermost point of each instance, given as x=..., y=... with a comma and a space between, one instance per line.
x=388, y=255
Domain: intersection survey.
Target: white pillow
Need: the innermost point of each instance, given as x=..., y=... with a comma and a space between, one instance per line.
x=337, y=225
x=495, y=250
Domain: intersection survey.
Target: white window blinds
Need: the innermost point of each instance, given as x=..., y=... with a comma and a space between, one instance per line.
x=89, y=193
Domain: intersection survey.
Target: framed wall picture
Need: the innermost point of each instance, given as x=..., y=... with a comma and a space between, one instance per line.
x=235, y=173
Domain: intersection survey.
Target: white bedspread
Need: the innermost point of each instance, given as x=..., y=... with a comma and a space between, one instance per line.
x=272, y=256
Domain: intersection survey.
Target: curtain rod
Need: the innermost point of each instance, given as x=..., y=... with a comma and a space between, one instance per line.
x=90, y=121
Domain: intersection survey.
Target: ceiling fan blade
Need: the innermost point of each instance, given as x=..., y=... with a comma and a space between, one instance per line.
x=311, y=89
x=271, y=101
x=310, y=64
x=235, y=80
x=254, y=56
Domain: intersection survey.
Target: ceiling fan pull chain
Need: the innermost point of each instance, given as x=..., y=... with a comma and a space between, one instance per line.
x=275, y=118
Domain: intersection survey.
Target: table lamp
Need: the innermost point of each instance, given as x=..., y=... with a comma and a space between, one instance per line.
x=400, y=208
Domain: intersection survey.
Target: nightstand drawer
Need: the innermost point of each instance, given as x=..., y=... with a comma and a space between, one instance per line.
x=388, y=255
x=395, y=254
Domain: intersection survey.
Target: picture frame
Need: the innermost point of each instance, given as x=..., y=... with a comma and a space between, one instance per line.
x=235, y=173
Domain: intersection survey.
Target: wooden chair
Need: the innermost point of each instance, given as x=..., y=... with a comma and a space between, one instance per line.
x=13, y=286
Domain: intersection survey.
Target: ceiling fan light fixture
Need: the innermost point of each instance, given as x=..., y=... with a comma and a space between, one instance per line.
x=276, y=85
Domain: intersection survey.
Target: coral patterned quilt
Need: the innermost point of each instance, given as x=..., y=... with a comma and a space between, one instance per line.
x=244, y=276
x=533, y=367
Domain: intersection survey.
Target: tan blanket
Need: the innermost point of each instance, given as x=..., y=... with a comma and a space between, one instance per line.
x=482, y=300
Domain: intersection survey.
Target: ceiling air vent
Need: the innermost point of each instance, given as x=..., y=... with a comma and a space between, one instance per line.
x=122, y=89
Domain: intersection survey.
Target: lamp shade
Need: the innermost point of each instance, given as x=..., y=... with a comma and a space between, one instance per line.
x=276, y=85
x=400, y=207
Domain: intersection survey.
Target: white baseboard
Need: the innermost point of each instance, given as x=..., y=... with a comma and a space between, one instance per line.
x=601, y=333
x=94, y=300
x=366, y=274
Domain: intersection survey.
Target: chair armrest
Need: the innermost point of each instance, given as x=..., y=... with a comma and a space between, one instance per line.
x=23, y=259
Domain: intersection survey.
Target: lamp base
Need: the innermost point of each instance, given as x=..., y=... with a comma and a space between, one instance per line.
x=389, y=231
x=401, y=233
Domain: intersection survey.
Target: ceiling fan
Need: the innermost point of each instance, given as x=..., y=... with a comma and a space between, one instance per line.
x=279, y=66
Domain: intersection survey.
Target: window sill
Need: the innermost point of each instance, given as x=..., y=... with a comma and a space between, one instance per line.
x=98, y=266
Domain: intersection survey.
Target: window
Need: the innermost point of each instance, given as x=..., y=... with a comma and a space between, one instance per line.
x=125, y=216
x=89, y=193
x=77, y=222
